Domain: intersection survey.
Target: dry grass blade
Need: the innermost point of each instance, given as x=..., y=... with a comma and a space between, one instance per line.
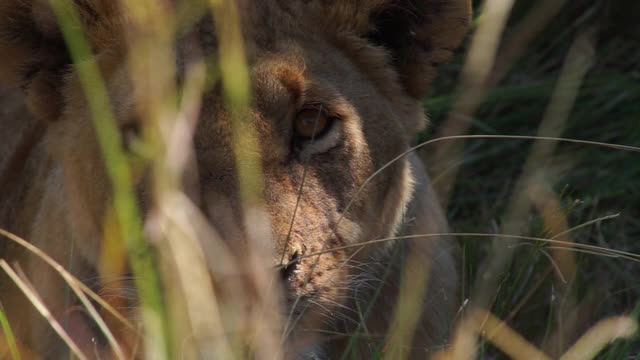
x=182, y=239
x=526, y=137
x=523, y=35
x=487, y=136
x=589, y=252
x=67, y=276
x=576, y=65
x=463, y=346
x=42, y=309
x=585, y=224
x=496, y=331
x=408, y=311
x=471, y=89
x=503, y=337
x=74, y=283
x=600, y=335
x=594, y=249
x=559, y=273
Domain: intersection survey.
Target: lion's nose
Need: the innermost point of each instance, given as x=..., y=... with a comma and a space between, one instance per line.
x=289, y=268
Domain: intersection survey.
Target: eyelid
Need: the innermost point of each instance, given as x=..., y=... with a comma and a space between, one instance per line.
x=327, y=111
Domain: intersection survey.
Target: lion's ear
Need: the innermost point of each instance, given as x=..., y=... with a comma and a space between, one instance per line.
x=34, y=54
x=419, y=34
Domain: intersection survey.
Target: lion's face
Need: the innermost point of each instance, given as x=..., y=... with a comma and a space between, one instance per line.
x=335, y=99
x=324, y=127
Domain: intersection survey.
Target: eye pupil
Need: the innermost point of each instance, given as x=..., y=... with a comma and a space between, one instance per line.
x=310, y=123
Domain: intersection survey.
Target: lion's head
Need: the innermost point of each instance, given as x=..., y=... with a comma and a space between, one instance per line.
x=337, y=89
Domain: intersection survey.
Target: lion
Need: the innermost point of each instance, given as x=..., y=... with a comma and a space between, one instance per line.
x=337, y=89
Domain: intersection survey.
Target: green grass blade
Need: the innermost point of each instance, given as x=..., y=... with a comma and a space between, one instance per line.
x=128, y=214
x=8, y=335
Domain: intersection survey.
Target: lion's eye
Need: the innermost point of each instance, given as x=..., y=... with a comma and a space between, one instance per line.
x=311, y=124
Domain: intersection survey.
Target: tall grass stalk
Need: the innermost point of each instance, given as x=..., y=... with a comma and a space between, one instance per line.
x=124, y=200
x=470, y=92
x=257, y=253
x=578, y=62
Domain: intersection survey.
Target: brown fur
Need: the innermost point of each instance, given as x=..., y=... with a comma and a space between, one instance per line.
x=367, y=62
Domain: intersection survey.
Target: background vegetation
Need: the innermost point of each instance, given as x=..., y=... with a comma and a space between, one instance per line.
x=590, y=182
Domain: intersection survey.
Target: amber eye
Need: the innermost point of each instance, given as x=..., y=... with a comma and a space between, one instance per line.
x=311, y=124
